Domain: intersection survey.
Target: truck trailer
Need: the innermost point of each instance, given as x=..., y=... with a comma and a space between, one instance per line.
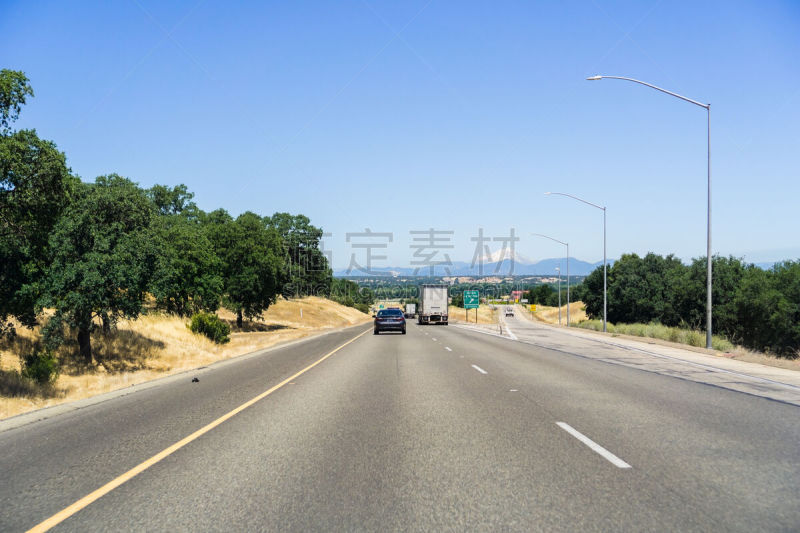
x=432, y=304
x=411, y=310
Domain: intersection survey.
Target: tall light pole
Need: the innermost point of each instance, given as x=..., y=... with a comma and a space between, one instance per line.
x=558, y=269
x=707, y=107
x=605, y=270
x=559, y=283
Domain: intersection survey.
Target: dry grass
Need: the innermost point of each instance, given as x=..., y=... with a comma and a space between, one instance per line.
x=688, y=337
x=662, y=335
x=691, y=339
x=486, y=315
x=154, y=346
x=743, y=354
x=549, y=315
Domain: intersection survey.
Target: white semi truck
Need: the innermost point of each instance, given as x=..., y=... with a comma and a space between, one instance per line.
x=411, y=310
x=432, y=304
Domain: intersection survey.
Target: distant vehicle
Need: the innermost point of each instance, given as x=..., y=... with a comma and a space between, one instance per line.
x=389, y=320
x=411, y=310
x=509, y=311
x=432, y=304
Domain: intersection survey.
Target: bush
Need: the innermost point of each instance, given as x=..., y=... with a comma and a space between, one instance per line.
x=40, y=366
x=659, y=331
x=695, y=338
x=364, y=308
x=211, y=326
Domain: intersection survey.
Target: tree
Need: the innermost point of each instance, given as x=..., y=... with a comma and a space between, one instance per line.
x=767, y=308
x=174, y=201
x=347, y=292
x=786, y=275
x=102, y=257
x=14, y=87
x=308, y=271
x=592, y=291
x=540, y=294
x=35, y=186
x=640, y=289
x=188, y=273
x=727, y=274
x=457, y=298
x=252, y=268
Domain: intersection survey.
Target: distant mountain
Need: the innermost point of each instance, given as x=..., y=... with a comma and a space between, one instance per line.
x=521, y=267
x=504, y=254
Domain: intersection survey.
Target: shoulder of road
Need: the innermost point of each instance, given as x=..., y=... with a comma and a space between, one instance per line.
x=58, y=409
x=770, y=382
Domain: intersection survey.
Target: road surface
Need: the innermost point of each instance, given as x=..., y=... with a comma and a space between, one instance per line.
x=440, y=429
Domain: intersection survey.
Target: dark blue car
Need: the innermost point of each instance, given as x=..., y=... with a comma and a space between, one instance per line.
x=390, y=320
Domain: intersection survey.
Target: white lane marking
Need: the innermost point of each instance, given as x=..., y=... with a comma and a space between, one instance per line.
x=510, y=333
x=448, y=348
x=434, y=339
x=479, y=369
x=610, y=457
x=513, y=390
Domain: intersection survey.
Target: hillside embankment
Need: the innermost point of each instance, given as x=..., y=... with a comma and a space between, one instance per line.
x=153, y=346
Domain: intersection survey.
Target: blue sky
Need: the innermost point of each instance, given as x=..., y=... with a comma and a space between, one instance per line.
x=400, y=116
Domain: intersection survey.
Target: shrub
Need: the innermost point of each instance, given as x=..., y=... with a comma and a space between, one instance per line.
x=211, y=326
x=721, y=344
x=695, y=338
x=40, y=366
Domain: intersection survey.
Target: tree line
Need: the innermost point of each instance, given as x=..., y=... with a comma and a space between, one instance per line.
x=95, y=252
x=753, y=307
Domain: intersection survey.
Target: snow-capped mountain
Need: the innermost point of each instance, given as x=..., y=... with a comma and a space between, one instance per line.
x=504, y=254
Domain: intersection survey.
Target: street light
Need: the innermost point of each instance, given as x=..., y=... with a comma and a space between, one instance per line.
x=559, y=275
x=558, y=269
x=707, y=107
x=605, y=275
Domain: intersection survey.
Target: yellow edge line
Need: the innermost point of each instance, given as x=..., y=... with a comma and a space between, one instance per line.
x=111, y=485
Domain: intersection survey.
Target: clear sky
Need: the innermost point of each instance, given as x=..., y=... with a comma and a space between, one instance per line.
x=401, y=116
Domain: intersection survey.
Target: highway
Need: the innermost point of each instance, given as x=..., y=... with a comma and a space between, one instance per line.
x=442, y=429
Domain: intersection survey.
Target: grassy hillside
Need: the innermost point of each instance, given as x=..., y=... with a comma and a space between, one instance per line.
x=543, y=313
x=486, y=315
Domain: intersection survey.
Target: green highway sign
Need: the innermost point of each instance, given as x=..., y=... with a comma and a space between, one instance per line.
x=471, y=299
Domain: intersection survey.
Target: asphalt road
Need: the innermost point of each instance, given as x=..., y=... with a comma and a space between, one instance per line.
x=441, y=429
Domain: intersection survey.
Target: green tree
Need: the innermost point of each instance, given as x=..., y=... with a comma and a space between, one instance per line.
x=188, y=273
x=727, y=274
x=768, y=309
x=174, y=201
x=786, y=275
x=102, y=257
x=35, y=186
x=457, y=298
x=307, y=267
x=252, y=268
x=541, y=294
x=14, y=88
x=640, y=289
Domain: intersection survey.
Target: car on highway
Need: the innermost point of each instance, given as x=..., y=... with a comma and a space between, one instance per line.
x=389, y=320
x=509, y=311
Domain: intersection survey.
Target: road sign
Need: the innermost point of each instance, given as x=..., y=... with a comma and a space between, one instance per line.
x=533, y=308
x=523, y=301
x=381, y=306
x=471, y=299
